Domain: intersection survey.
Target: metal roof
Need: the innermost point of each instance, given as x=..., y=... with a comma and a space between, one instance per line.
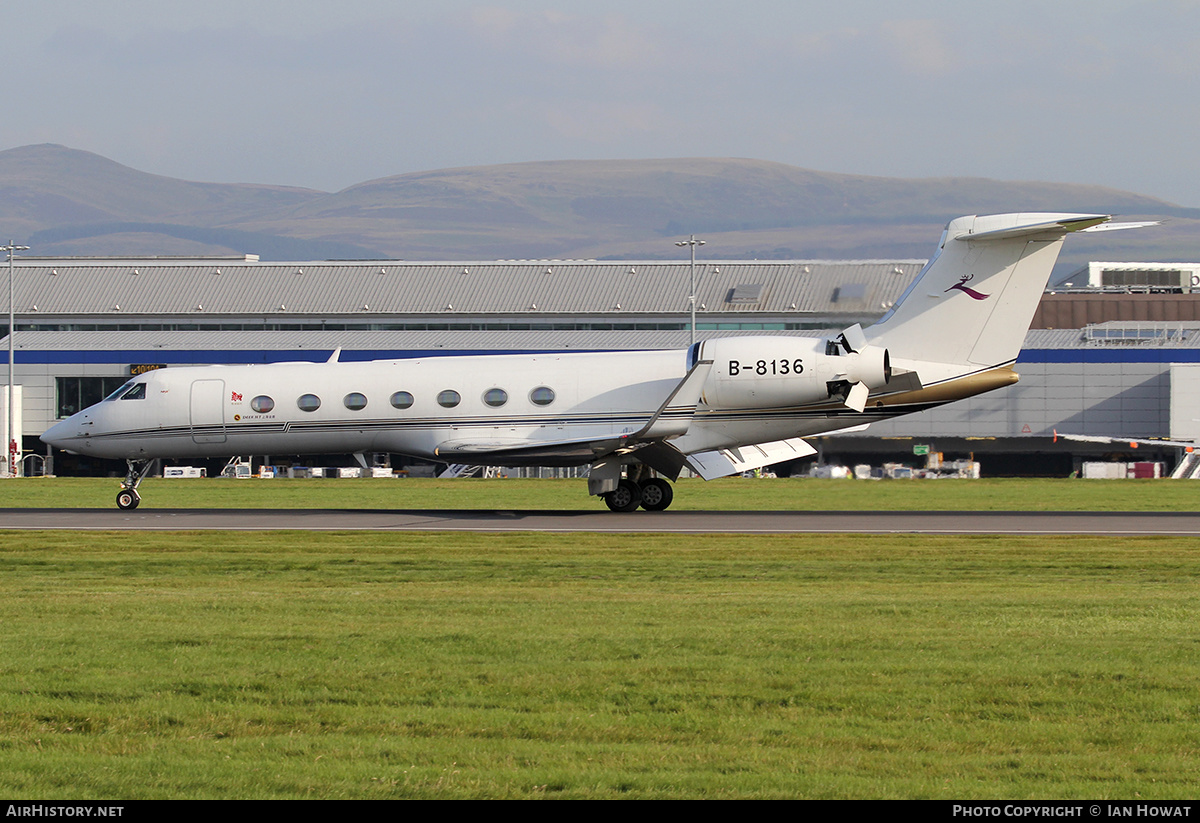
x=1118, y=334
x=239, y=287
x=476, y=341
x=326, y=341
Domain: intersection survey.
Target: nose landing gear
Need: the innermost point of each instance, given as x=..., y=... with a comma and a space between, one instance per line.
x=128, y=497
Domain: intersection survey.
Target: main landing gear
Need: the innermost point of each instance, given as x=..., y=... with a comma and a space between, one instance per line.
x=128, y=497
x=653, y=494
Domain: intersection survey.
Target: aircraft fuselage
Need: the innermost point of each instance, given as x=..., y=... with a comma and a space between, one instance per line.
x=723, y=406
x=467, y=406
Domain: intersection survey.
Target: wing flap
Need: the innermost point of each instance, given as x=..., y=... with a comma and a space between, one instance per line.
x=724, y=462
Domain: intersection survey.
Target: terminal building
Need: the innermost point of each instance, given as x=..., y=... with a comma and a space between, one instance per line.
x=1116, y=353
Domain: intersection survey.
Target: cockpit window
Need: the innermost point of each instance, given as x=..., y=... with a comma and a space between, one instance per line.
x=124, y=388
x=136, y=392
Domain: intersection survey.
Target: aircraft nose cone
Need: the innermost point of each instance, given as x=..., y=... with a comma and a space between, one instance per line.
x=53, y=435
x=62, y=432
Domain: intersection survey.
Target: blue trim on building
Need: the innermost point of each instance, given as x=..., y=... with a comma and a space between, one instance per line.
x=1110, y=355
x=238, y=357
x=233, y=357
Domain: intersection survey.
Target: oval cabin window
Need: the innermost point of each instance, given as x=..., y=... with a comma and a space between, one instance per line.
x=355, y=401
x=495, y=397
x=542, y=396
x=449, y=398
x=309, y=402
x=262, y=404
x=402, y=400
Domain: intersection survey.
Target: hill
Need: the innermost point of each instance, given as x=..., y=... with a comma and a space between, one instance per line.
x=65, y=201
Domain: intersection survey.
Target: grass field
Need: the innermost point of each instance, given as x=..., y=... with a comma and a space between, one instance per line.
x=690, y=495
x=288, y=664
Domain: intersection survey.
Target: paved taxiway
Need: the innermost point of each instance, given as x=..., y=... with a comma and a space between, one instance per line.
x=683, y=522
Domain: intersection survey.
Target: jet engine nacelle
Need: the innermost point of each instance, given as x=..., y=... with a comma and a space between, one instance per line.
x=770, y=372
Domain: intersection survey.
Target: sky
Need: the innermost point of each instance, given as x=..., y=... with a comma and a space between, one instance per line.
x=328, y=94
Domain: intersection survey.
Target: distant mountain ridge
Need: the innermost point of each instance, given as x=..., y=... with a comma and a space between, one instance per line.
x=63, y=201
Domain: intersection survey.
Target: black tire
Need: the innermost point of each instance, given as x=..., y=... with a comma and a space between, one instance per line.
x=128, y=499
x=626, y=498
x=656, y=494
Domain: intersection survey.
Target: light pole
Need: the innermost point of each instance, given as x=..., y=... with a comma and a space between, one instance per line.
x=11, y=248
x=692, y=242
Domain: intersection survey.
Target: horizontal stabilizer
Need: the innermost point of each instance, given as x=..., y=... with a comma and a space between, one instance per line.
x=1118, y=226
x=724, y=462
x=1005, y=226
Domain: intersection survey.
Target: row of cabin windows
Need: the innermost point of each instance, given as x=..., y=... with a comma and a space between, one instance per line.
x=447, y=399
x=71, y=397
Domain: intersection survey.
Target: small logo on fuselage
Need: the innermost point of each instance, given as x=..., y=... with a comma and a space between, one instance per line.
x=962, y=286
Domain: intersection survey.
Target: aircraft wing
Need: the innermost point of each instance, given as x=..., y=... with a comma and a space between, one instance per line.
x=1132, y=442
x=519, y=452
x=724, y=462
x=671, y=419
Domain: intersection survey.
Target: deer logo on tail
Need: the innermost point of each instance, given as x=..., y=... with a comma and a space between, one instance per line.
x=962, y=286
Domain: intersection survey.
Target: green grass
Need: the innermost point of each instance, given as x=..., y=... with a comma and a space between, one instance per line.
x=693, y=495
x=289, y=664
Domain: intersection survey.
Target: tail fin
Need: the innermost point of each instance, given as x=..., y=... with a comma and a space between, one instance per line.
x=974, y=300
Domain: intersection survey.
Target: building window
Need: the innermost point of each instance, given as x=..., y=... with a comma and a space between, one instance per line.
x=355, y=401
x=449, y=398
x=402, y=400
x=542, y=396
x=262, y=404
x=495, y=397
x=309, y=402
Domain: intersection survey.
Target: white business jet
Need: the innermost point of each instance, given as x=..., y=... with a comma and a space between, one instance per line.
x=635, y=418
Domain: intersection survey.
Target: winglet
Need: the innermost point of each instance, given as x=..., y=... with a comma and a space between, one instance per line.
x=674, y=416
